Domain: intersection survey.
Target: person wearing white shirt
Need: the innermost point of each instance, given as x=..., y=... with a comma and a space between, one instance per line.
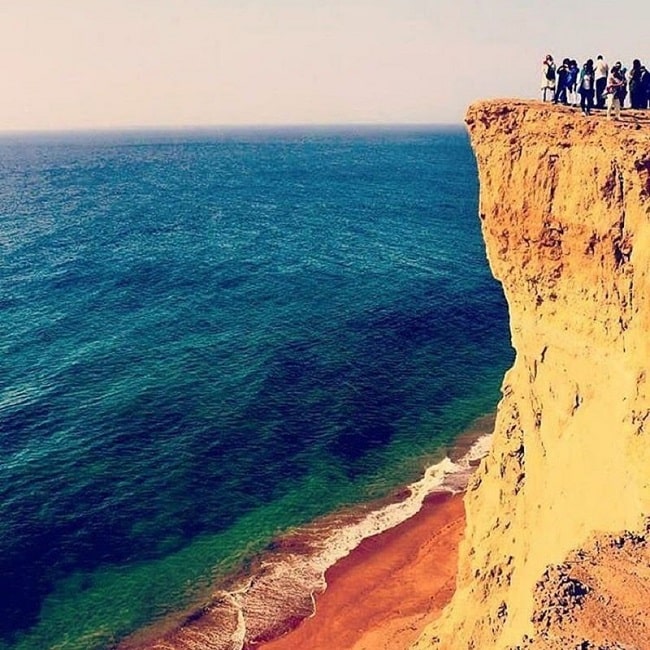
x=601, y=71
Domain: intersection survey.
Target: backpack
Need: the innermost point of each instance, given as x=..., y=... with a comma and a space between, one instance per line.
x=550, y=72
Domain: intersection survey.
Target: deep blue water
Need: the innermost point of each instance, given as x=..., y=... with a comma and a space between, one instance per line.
x=207, y=337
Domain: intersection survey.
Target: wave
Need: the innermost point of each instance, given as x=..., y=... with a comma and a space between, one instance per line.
x=280, y=589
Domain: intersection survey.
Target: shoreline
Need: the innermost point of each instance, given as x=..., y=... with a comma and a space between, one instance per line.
x=383, y=594
x=289, y=587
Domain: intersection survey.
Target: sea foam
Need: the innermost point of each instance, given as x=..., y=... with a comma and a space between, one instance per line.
x=283, y=586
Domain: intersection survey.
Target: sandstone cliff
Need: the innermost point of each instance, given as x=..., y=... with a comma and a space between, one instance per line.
x=565, y=211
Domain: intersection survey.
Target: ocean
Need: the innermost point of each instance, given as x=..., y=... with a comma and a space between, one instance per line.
x=213, y=340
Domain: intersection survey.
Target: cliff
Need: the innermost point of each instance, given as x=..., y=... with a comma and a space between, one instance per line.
x=555, y=552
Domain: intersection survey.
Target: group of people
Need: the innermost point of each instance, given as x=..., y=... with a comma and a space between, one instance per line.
x=597, y=85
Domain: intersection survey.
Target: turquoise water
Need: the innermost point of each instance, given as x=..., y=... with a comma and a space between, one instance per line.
x=209, y=337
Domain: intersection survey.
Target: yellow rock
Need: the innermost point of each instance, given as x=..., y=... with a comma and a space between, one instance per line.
x=565, y=212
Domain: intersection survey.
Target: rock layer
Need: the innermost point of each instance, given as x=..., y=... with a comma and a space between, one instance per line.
x=565, y=212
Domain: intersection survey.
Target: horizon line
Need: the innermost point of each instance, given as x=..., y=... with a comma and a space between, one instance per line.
x=224, y=127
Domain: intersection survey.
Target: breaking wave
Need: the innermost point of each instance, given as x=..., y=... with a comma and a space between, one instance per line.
x=280, y=589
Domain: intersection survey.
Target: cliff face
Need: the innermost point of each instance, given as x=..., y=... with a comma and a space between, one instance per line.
x=565, y=212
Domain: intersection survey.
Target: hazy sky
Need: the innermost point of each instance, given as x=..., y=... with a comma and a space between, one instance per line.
x=114, y=63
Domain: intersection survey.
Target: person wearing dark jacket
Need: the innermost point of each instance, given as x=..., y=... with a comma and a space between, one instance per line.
x=572, y=83
x=645, y=85
x=562, y=79
x=615, y=89
x=637, y=91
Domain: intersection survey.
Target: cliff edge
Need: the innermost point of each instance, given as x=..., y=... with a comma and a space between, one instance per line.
x=556, y=552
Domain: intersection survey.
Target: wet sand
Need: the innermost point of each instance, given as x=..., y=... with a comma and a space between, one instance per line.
x=389, y=588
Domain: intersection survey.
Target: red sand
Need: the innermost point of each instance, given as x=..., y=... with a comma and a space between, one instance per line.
x=382, y=595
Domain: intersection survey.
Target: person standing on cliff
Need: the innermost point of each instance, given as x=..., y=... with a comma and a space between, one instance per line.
x=586, y=85
x=548, y=78
x=615, y=89
x=637, y=91
x=572, y=83
x=601, y=71
x=562, y=82
x=622, y=94
x=645, y=85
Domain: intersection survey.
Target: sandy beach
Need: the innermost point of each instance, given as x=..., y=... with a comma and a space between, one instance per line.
x=383, y=594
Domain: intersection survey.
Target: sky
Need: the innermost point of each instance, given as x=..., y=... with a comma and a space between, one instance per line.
x=80, y=64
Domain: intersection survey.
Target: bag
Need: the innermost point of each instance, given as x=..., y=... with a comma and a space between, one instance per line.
x=550, y=72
